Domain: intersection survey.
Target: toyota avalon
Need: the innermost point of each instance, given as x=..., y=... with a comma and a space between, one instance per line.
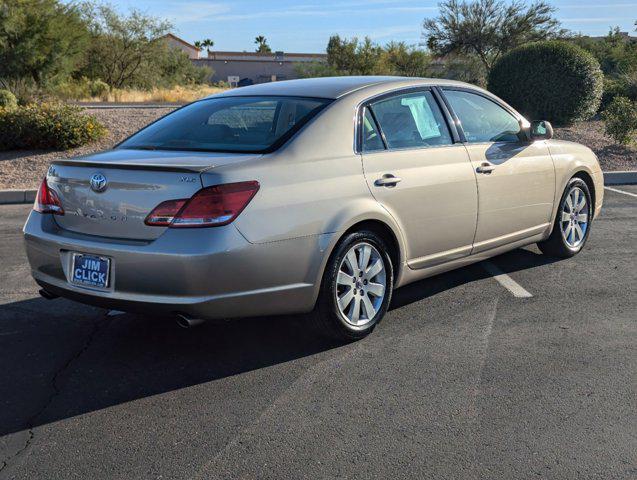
x=312, y=196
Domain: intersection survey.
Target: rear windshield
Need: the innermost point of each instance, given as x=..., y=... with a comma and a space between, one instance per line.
x=228, y=124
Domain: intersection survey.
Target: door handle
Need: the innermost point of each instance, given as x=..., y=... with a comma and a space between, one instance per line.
x=485, y=168
x=388, y=180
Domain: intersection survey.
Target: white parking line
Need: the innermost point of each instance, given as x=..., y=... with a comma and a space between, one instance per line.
x=507, y=282
x=621, y=191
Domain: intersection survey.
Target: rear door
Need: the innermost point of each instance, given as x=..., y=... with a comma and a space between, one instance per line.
x=418, y=171
x=516, y=177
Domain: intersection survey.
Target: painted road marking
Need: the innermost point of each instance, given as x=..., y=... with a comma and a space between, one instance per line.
x=507, y=282
x=621, y=191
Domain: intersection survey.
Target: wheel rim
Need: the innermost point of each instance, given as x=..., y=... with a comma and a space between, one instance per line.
x=360, y=284
x=574, y=217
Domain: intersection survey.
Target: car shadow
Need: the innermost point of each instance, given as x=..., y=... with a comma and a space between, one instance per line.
x=513, y=261
x=61, y=360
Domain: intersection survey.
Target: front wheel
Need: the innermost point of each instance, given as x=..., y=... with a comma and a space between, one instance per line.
x=356, y=288
x=572, y=222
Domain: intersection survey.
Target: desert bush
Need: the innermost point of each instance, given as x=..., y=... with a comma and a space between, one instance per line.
x=620, y=120
x=551, y=80
x=98, y=89
x=47, y=125
x=80, y=89
x=8, y=100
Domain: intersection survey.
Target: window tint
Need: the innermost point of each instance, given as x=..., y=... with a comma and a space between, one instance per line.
x=228, y=124
x=412, y=121
x=483, y=120
x=371, y=136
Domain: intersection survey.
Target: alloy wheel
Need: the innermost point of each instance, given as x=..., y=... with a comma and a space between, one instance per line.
x=574, y=217
x=360, y=284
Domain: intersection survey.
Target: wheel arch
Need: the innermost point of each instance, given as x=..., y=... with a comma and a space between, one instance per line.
x=588, y=180
x=386, y=233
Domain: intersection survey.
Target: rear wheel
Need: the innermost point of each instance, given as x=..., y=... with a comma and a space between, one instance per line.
x=356, y=288
x=572, y=223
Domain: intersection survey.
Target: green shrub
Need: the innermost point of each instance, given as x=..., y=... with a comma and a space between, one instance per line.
x=8, y=100
x=624, y=85
x=620, y=120
x=551, y=80
x=80, y=89
x=47, y=125
x=99, y=89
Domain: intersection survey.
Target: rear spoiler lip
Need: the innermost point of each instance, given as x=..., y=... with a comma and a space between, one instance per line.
x=135, y=166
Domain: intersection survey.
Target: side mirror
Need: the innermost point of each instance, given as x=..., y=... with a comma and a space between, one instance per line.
x=541, y=130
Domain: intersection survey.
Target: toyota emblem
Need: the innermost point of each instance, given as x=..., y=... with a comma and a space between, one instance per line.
x=98, y=182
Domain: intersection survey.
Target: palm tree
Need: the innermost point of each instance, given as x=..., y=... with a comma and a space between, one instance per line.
x=207, y=44
x=262, y=43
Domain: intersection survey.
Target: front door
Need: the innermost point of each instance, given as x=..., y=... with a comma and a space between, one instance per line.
x=516, y=177
x=417, y=172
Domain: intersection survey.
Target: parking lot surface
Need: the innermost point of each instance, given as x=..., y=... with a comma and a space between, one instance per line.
x=464, y=379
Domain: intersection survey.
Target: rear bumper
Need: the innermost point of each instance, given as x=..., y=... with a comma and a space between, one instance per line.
x=204, y=273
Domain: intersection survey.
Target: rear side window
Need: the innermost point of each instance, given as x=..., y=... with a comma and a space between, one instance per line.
x=412, y=120
x=372, y=140
x=229, y=124
x=483, y=120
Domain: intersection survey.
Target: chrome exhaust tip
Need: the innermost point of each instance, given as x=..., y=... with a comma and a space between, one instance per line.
x=184, y=321
x=48, y=295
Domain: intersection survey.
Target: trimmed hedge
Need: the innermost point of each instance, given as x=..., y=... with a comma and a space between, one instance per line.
x=8, y=100
x=47, y=125
x=551, y=80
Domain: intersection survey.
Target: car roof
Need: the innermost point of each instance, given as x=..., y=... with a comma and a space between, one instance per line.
x=332, y=87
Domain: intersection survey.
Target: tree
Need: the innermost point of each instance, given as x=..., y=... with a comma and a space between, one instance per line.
x=400, y=59
x=351, y=57
x=131, y=51
x=262, y=43
x=489, y=28
x=354, y=57
x=125, y=50
x=207, y=44
x=40, y=41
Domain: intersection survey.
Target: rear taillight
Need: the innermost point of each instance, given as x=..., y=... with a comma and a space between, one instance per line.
x=209, y=207
x=47, y=201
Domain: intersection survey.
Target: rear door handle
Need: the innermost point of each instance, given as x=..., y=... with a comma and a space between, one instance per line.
x=388, y=180
x=485, y=168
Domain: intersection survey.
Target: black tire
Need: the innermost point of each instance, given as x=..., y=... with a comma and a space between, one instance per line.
x=327, y=316
x=556, y=245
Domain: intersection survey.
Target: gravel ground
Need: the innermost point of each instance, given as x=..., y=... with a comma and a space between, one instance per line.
x=24, y=169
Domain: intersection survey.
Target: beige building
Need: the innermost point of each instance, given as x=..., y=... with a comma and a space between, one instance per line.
x=251, y=67
x=246, y=68
x=175, y=42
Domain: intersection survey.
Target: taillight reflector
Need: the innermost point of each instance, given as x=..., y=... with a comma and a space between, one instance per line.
x=209, y=207
x=47, y=201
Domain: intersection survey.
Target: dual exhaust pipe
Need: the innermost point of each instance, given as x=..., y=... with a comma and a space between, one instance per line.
x=183, y=320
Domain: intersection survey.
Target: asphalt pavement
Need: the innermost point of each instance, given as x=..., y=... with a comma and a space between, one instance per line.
x=462, y=380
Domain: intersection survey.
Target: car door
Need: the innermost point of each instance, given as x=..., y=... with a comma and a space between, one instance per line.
x=516, y=177
x=421, y=174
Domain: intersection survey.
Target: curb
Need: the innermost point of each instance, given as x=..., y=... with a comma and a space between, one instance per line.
x=8, y=197
x=620, y=178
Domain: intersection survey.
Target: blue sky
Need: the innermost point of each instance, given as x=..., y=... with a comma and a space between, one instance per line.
x=305, y=26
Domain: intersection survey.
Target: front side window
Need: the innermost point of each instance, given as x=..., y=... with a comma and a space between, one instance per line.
x=482, y=119
x=412, y=120
x=228, y=124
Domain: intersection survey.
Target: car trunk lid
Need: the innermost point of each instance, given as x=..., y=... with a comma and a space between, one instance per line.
x=136, y=181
